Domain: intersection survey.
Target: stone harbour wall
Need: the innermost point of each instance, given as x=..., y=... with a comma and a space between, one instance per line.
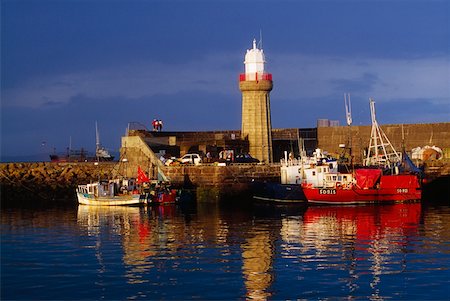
x=213, y=182
x=48, y=180
x=58, y=181
x=415, y=135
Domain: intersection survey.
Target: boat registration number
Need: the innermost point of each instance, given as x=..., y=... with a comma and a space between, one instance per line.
x=402, y=190
x=327, y=191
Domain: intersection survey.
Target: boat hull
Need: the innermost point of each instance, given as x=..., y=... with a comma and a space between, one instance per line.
x=125, y=200
x=163, y=198
x=361, y=196
x=280, y=193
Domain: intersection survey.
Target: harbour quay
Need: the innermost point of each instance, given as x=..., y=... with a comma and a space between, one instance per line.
x=213, y=181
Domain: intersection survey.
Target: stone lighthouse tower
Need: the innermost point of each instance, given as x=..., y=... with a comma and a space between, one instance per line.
x=256, y=85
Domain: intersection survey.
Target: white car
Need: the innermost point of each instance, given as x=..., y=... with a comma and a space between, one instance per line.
x=191, y=158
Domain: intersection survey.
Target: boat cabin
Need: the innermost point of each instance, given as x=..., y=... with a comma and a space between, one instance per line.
x=309, y=169
x=316, y=175
x=333, y=180
x=109, y=188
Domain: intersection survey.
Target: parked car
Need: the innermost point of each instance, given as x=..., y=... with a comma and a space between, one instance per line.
x=245, y=158
x=191, y=159
x=172, y=161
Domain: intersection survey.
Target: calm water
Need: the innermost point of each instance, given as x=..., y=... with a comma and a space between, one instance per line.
x=210, y=251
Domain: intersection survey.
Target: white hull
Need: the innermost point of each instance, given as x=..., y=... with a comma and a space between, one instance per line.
x=125, y=200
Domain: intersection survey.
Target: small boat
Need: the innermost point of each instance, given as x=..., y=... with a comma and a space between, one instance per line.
x=116, y=192
x=293, y=172
x=126, y=192
x=159, y=193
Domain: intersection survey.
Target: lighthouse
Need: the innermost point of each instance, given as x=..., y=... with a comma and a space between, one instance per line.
x=255, y=85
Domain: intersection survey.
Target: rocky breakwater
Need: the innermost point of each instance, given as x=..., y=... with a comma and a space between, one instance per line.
x=47, y=181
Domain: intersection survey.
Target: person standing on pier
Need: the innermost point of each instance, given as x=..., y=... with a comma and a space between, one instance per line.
x=160, y=125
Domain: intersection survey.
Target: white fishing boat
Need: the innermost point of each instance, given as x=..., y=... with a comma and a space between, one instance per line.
x=293, y=172
x=116, y=192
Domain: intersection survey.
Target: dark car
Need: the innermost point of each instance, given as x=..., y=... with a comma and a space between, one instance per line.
x=245, y=158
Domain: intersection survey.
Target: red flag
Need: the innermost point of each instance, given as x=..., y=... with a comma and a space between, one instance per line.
x=141, y=176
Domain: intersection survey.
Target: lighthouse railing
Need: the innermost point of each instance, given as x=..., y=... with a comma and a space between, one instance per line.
x=256, y=76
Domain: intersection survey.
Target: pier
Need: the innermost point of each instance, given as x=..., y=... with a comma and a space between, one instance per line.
x=211, y=182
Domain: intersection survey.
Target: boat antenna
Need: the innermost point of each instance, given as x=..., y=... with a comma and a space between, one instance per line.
x=348, y=117
x=260, y=43
x=348, y=108
x=403, y=140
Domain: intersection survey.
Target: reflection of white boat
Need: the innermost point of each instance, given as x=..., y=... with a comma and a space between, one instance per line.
x=117, y=192
x=93, y=217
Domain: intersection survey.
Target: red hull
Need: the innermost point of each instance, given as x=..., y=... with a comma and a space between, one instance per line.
x=392, y=188
x=166, y=197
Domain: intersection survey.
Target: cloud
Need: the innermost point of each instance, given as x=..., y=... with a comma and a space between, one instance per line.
x=304, y=77
x=296, y=77
x=129, y=81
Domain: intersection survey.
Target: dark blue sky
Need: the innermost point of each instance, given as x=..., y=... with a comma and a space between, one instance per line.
x=66, y=64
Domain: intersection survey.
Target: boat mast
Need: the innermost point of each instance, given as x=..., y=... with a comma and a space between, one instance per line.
x=348, y=116
x=97, y=137
x=381, y=152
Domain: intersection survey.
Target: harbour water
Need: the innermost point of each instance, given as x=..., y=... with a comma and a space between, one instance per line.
x=226, y=252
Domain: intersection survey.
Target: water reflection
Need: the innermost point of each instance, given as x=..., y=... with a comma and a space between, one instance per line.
x=126, y=223
x=364, y=235
x=365, y=224
x=257, y=255
x=352, y=247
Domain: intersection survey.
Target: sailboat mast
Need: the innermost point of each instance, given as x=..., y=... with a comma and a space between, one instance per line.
x=97, y=136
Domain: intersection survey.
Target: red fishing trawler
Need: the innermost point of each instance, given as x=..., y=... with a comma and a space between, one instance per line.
x=386, y=177
x=364, y=186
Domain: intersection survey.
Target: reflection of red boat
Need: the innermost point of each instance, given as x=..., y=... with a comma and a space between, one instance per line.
x=369, y=186
x=367, y=222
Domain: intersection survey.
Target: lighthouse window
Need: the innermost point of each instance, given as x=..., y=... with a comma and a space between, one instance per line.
x=313, y=173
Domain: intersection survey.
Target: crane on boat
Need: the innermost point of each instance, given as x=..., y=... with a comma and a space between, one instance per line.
x=381, y=152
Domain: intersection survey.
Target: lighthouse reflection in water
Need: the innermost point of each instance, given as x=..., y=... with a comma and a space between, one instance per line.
x=208, y=251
